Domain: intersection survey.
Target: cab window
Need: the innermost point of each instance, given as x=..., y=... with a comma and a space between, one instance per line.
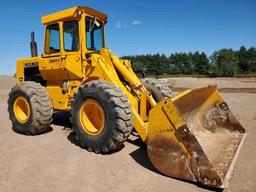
x=52, y=44
x=71, y=36
x=94, y=34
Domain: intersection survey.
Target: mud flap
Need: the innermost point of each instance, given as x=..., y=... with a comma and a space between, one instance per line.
x=195, y=136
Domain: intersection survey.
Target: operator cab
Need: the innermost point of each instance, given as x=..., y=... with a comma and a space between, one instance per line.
x=78, y=29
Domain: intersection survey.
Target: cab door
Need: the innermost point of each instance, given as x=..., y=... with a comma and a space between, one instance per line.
x=72, y=51
x=53, y=65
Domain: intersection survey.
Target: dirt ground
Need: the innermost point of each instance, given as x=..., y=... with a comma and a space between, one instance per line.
x=53, y=162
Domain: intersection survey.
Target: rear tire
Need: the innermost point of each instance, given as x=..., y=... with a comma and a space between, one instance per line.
x=157, y=88
x=113, y=122
x=30, y=108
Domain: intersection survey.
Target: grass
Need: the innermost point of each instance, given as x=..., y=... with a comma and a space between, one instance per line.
x=246, y=75
x=240, y=75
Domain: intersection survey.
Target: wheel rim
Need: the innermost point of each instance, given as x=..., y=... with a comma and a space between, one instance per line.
x=92, y=117
x=21, y=109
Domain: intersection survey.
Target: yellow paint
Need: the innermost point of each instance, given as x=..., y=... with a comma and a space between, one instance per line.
x=65, y=72
x=59, y=99
x=71, y=13
x=143, y=106
x=92, y=117
x=21, y=109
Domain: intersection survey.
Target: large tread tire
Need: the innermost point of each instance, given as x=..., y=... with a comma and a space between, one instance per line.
x=40, y=106
x=157, y=88
x=117, y=111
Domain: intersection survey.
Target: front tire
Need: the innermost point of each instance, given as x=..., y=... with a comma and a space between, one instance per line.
x=30, y=108
x=101, y=116
x=157, y=88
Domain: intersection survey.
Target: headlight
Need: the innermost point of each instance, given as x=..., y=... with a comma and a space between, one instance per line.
x=79, y=12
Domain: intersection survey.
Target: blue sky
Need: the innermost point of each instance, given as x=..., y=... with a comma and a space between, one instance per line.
x=137, y=27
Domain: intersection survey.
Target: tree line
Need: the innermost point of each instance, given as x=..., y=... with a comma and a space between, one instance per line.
x=222, y=63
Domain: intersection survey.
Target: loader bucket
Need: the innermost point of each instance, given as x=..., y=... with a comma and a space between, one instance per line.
x=194, y=136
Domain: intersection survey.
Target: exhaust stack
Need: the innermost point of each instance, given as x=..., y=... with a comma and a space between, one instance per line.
x=33, y=45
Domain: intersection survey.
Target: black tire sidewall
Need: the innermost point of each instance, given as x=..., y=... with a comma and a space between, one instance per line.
x=156, y=95
x=107, y=133
x=154, y=91
x=157, y=89
x=16, y=124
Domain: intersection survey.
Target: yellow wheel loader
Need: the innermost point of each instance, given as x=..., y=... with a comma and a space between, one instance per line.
x=192, y=135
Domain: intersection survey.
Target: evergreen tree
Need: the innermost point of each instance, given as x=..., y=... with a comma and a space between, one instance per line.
x=252, y=59
x=200, y=62
x=224, y=62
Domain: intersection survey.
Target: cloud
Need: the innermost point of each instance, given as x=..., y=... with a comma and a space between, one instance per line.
x=120, y=25
x=136, y=22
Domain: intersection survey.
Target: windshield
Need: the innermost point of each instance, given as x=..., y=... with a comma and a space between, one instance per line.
x=94, y=34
